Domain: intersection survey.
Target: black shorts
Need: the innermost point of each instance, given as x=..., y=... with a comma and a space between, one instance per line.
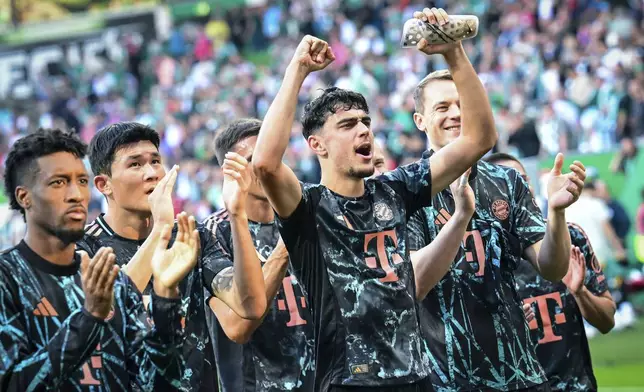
x=419, y=386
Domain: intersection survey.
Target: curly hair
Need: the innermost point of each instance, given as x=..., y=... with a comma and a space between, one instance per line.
x=21, y=166
x=332, y=99
x=110, y=139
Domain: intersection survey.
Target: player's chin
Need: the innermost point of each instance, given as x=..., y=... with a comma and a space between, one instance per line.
x=362, y=171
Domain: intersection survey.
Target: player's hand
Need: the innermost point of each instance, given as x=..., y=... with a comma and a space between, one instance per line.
x=574, y=279
x=528, y=312
x=312, y=54
x=97, y=277
x=463, y=196
x=170, y=266
x=437, y=17
x=161, y=199
x=279, y=250
x=237, y=180
x=564, y=189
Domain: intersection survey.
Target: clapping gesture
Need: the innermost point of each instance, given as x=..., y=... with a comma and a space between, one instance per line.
x=574, y=279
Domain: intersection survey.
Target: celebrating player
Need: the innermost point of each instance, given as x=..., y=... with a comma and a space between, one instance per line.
x=128, y=170
x=561, y=307
x=276, y=353
x=474, y=327
x=347, y=235
x=67, y=322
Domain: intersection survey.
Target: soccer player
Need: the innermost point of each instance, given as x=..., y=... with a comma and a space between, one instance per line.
x=68, y=323
x=473, y=323
x=276, y=353
x=347, y=236
x=128, y=170
x=561, y=307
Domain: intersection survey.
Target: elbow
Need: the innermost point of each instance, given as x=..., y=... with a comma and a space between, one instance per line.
x=604, y=329
x=490, y=136
x=253, y=309
x=265, y=168
x=239, y=334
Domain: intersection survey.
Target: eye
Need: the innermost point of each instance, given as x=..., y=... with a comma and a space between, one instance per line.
x=156, y=161
x=84, y=181
x=134, y=164
x=57, y=182
x=441, y=109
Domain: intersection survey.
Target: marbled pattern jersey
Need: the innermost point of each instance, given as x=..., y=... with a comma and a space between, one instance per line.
x=558, y=327
x=475, y=329
x=49, y=342
x=279, y=355
x=200, y=373
x=351, y=256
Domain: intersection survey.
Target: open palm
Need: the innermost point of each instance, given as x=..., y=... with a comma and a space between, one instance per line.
x=574, y=279
x=170, y=266
x=237, y=180
x=564, y=189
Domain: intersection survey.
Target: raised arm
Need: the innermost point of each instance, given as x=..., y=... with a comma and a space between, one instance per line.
x=478, y=132
x=238, y=329
x=277, y=179
x=433, y=261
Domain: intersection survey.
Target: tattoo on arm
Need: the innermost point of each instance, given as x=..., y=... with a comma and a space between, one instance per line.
x=223, y=280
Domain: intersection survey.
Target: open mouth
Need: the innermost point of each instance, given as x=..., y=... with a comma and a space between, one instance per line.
x=455, y=128
x=364, y=150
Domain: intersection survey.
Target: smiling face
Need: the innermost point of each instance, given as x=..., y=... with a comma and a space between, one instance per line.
x=136, y=170
x=57, y=202
x=440, y=118
x=347, y=143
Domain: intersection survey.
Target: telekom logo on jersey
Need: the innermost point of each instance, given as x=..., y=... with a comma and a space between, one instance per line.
x=472, y=242
x=547, y=322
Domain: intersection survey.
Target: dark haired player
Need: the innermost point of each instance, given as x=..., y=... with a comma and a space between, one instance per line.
x=129, y=172
x=347, y=236
x=473, y=324
x=275, y=353
x=68, y=323
x=560, y=308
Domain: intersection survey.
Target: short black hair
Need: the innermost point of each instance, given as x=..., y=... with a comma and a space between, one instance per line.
x=233, y=133
x=109, y=139
x=332, y=99
x=501, y=156
x=21, y=166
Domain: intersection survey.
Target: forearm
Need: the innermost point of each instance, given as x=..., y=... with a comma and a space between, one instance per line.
x=598, y=311
x=276, y=127
x=248, y=279
x=139, y=268
x=433, y=261
x=554, y=254
x=476, y=113
x=239, y=329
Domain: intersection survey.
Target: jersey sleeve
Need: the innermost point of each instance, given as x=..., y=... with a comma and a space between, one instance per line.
x=528, y=223
x=413, y=182
x=155, y=347
x=24, y=365
x=419, y=232
x=216, y=250
x=86, y=244
x=595, y=281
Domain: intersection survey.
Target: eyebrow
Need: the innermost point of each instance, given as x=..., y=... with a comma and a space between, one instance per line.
x=352, y=119
x=137, y=156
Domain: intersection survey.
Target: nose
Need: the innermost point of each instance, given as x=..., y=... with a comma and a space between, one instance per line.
x=454, y=112
x=149, y=173
x=363, y=130
x=74, y=193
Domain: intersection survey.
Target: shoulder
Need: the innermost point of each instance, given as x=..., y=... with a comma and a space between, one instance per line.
x=215, y=222
x=11, y=263
x=498, y=173
x=577, y=234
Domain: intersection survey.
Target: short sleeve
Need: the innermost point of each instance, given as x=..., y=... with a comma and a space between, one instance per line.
x=413, y=182
x=528, y=224
x=418, y=231
x=216, y=249
x=595, y=281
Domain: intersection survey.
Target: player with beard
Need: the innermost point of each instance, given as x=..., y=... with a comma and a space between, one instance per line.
x=347, y=237
x=475, y=330
x=129, y=172
x=562, y=307
x=275, y=353
x=68, y=323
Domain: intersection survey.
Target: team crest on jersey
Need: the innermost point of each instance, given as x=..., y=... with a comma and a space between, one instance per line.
x=501, y=209
x=383, y=212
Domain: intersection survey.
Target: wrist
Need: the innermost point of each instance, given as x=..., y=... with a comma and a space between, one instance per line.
x=579, y=293
x=238, y=214
x=556, y=212
x=297, y=71
x=454, y=56
x=462, y=216
x=165, y=292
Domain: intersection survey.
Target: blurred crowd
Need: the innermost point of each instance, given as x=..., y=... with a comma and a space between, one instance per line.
x=561, y=75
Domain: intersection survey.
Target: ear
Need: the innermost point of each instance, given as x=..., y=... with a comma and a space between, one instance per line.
x=316, y=143
x=103, y=184
x=23, y=196
x=419, y=120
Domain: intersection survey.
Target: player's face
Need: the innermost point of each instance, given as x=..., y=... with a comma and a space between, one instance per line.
x=245, y=148
x=347, y=141
x=136, y=171
x=60, y=196
x=441, y=117
x=518, y=167
x=379, y=163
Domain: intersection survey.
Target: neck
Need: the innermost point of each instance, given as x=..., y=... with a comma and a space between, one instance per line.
x=49, y=247
x=259, y=210
x=128, y=224
x=345, y=186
